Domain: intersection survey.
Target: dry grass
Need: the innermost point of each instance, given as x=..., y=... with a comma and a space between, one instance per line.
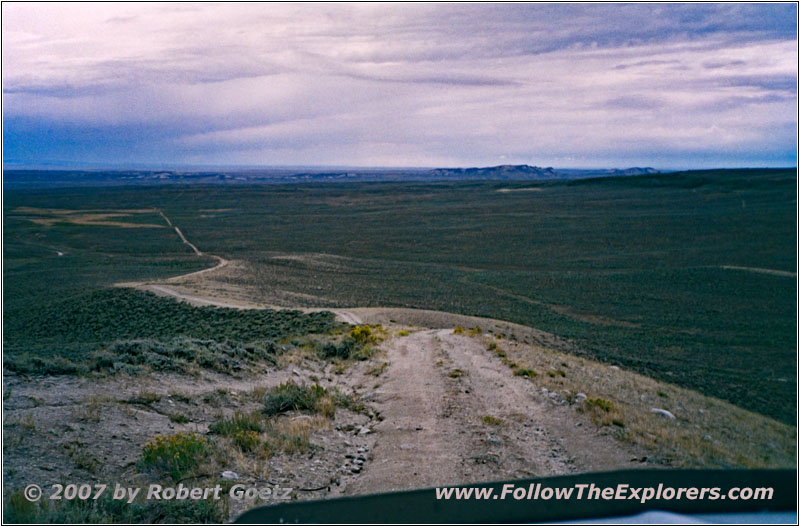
x=292, y=435
x=326, y=406
x=707, y=432
x=25, y=422
x=91, y=410
x=80, y=454
x=378, y=369
x=144, y=397
x=263, y=438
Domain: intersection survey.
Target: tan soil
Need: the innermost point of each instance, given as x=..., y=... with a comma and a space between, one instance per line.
x=434, y=431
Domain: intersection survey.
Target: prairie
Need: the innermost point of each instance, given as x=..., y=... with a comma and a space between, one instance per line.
x=653, y=273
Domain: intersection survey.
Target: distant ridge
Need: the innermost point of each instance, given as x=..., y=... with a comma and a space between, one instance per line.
x=633, y=171
x=528, y=172
x=99, y=178
x=497, y=172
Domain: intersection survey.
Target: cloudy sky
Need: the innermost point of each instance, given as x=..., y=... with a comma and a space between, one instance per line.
x=565, y=85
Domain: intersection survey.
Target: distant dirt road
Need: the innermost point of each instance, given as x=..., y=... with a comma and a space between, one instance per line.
x=167, y=288
x=761, y=270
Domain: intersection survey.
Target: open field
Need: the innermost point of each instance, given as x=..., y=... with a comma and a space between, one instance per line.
x=654, y=273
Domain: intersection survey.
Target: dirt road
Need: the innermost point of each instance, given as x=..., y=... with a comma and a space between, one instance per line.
x=452, y=413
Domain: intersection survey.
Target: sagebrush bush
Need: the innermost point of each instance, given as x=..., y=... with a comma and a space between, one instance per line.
x=341, y=351
x=177, y=455
x=356, y=347
x=29, y=365
x=180, y=355
x=289, y=396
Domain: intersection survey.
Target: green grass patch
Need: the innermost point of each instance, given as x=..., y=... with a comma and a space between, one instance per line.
x=491, y=420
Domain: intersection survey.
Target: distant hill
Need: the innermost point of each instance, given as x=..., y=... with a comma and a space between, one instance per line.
x=527, y=172
x=633, y=171
x=501, y=172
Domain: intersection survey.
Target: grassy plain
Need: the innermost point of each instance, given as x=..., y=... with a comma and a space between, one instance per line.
x=660, y=274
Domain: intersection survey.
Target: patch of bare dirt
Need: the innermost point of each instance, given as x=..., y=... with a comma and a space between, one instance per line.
x=77, y=429
x=522, y=189
x=454, y=415
x=48, y=217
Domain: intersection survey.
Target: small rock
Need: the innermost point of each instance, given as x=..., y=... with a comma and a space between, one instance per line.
x=580, y=396
x=364, y=431
x=616, y=368
x=701, y=411
x=231, y=475
x=356, y=469
x=349, y=456
x=361, y=458
x=662, y=412
x=706, y=437
x=295, y=372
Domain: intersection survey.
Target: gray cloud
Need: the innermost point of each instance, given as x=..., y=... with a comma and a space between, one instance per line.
x=403, y=84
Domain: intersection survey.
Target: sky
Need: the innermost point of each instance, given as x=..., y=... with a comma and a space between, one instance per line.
x=164, y=85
